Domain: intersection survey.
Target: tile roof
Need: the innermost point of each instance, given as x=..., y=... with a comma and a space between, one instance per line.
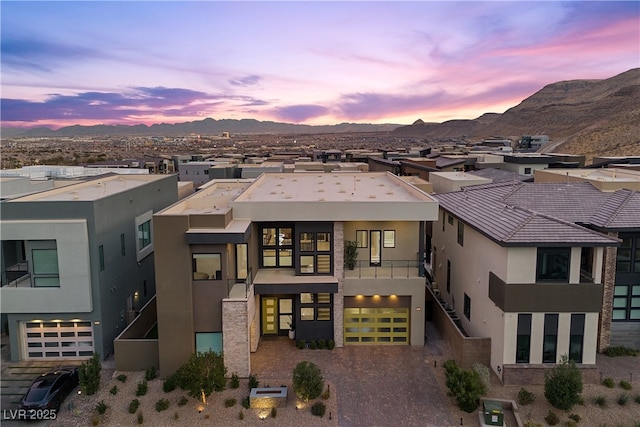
x=620, y=211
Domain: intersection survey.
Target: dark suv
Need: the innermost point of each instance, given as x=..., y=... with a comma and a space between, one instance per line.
x=49, y=390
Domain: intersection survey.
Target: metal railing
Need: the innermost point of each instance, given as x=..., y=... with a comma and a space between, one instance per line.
x=233, y=284
x=386, y=270
x=17, y=275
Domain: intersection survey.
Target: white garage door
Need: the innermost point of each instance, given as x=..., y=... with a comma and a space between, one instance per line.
x=58, y=340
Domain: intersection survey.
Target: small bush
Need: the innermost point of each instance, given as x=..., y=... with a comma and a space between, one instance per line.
x=274, y=412
x=637, y=398
x=465, y=385
x=169, y=384
x=245, y=403
x=322, y=344
x=162, y=405
x=313, y=344
x=552, y=419
x=609, y=383
x=202, y=373
x=150, y=373
x=142, y=388
x=571, y=423
x=625, y=385
x=563, y=384
x=122, y=378
x=101, y=407
x=133, y=406
x=525, y=397
x=241, y=415
x=308, y=382
x=483, y=374
x=229, y=403
x=140, y=418
x=601, y=401
x=183, y=401
x=235, y=380
x=620, y=351
x=327, y=394
x=300, y=344
x=89, y=373
x=253, y=381
x=331, y=344
x=318, y=409
x=623, y=399
x=532, y=424
x=114, y=390
x=575, y=417
x=95, y=420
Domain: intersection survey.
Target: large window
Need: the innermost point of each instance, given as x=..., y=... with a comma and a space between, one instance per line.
x=550, y=338
x=207, y=267
x=315, y=307
x=626, y=302
x=277, y=247
x=45, y=267
x=242, y=261
x=523, y=339
x=315, y=252
x=628, y=258
x=576, y=337
x=553, y=264
x=209, y=341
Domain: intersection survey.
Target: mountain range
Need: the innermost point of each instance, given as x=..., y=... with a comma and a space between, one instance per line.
x=589, y=117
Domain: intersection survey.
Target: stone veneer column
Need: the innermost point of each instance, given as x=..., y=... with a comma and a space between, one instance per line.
x=235, y=337
x=609, y=283
x=338, y=269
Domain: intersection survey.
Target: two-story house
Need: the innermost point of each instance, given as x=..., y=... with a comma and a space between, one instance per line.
x=241, y=260
x=77, y=263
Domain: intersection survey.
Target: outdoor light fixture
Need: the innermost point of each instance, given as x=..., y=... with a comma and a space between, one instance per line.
x=200, y=408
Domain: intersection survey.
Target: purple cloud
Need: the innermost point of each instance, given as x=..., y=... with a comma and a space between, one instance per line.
x=246, y=81
x=39, y=55
x=299, y=113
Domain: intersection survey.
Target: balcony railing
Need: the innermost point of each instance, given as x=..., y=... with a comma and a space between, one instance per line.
x=239, y=288
x=386, y=270
x=17, y=275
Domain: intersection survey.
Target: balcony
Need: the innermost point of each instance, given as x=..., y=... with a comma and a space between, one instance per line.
x=386, y=270
x=17, y=276
x=239, y=288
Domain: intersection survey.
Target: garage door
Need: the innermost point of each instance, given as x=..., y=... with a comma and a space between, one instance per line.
x=58, y=340
x=376, y=325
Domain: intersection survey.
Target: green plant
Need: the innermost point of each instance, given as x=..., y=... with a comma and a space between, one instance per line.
x=551, y=418
x=142, y=388
x=465, y=385
x=327, y=394
x=620, y=351
x=575, y=417
x=114, y=390
x=229, y=403
x=531, y=424
x=331, y=344
x=300, y=344
x=637, y=399
x=183, y=401
x=169, y=384
x=483, y=374
x=253, y=381
x=89, y=373
x=133, y=406
x=150, y=373
x=101, y=407
x=162, y=405
x=274, y=412
x=203, y=372
x=246, y=403
x=322, y=344
x=601, y=401
x=235, y=380
x=571, y=423
x=563, y=384
x=241, y=415
x=350, y=254
x=525, y=397
x=313, y=344
x=318, y=409
x=625, y=385
x=122, y=378
x=140, y=418
x=609, y=383
x=623, y=399
x=308, y=382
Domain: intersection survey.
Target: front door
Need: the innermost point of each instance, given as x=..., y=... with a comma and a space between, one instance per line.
x=269, y=316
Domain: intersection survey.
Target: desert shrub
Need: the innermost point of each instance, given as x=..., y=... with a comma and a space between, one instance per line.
x=162, y=405
x=140, y=418
x=229, y=403
x=483, y=373
x=241, y=415
x=183, y=401
x=246, y=403
x=95, y=420
x=313, y=344
x=620, y=351
x=133, y=406
x=609, y=383
x=253, y=381
x=623, y=399
x=114, y=390
x=563, y=384
x=274, y=412
x=89, y=373
x=575, y=417
x=122, y=378
x=318, y=409
x=308, y=382
x=331, y=344
x=142, y=388
x=203, y=372
x=601, y=401
x=531, y=424
x=525, y=397
x=235, y=380
x=322, y=344
x=101, y=407
x=150, y=373
x=300, y=344
x=169, y=384
x=465, y=385
x=625, y=385
x=637, y=399
x=551, y=418
x=571, y=423
x=175, y=415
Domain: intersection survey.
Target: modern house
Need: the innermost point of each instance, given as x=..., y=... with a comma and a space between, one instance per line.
x=533, y=268
x=243, y=260
x=77, y=263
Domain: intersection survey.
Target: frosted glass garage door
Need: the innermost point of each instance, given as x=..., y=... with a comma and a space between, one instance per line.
x=58, y=340
x=376, y=325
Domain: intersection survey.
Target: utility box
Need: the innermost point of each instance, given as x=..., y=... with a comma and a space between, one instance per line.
x=493, y=413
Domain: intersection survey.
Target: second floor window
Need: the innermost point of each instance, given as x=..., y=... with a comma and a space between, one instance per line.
x=207, y=267
x=553, y=264
x=277, y=247
x=45, y=267
x=315, y=253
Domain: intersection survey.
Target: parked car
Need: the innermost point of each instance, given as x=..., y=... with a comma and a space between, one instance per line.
x=49, y=390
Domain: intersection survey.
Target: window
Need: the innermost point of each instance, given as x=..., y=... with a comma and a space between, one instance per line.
x=549, y=346
x=389, y=239
x=101, y=256
x=523, y=339
x=443, y=220
x=362, y=238
x=450, y=219
x=576, y=337
x=553, y=264
x=467, y=307
x=527, y=171
x=242, y=261
x=315, y=307
x=448, y=276
x=315, y=253
x=144, y=234
x=144, y=241
x=626, y=302
x=45, y=267
x=209, y=341
x=628, y=258
x=460, y=233
x=122, y=245
x=277, y=247
x=207, y=266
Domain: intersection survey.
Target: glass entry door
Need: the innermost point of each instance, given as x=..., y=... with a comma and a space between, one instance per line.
x=375, y=238
x=269, y=316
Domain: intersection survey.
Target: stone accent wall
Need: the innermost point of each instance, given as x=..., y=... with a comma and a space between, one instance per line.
x=609, y=283
x=338, y=298
x=235, y=330
x=529, y=374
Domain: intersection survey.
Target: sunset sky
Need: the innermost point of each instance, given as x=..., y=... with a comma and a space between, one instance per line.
x=324, y=62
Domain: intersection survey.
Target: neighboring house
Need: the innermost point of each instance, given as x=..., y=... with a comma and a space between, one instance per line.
x=77, y=263
x=528, y=266
x=245, y=259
